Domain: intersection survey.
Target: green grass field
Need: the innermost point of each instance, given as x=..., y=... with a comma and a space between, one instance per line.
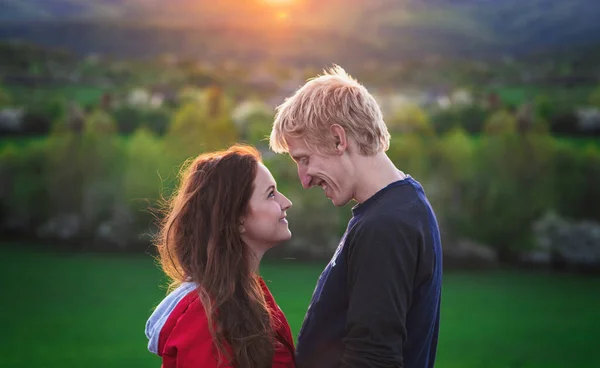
x=82, y=94
x=74, y=310
x=520, y=94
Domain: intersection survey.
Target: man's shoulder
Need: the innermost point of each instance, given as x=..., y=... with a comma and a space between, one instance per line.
x=389, y=219
x=383, y=229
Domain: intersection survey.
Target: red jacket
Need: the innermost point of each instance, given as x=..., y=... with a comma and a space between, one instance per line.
x=178, y=332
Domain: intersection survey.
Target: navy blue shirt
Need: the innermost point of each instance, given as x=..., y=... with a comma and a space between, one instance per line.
x=377, y=303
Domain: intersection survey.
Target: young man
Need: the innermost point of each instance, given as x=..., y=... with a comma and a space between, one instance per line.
x=377, y=303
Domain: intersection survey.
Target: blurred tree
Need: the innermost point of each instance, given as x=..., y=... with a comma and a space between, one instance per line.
x=254, y=120
x=578, y=181
x=102, y=160
x=258, y=128
x=204, y=123
x=100, y=122
x=528, y=121
x=22, y=192
x=512, y=186
x=63, y=165
x=556, y=115
x=148, y=176
x=565, y=123
x=544, y=107
x=453, y=171
x=82, y=172
x=5, y=99
x=35, y=123
x=73, y=120
x=410, y=119
x=594, y=98
x=40, y=116
x=201, y=78
x=130, y=118
x=63, y=182
x=501, y=122
x=146, y=165
x=412, y=153
x=524, y=118
x=471, y=118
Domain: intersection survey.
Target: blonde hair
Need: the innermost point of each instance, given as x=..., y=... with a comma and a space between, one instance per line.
x=332, y=98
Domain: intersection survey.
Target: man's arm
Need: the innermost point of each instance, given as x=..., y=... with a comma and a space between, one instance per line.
x=382, y=263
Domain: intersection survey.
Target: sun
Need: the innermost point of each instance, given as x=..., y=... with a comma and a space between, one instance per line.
x=278, y=2
x=282, y=9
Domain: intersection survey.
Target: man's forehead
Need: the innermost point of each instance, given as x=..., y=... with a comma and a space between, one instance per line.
x=297, y=147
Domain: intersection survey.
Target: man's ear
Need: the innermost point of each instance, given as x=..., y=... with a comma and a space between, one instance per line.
x=340, y=140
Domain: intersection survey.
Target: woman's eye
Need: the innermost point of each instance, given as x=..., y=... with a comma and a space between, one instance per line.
x=272, y=194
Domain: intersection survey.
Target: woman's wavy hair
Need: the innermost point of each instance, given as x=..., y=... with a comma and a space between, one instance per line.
x=200, y=241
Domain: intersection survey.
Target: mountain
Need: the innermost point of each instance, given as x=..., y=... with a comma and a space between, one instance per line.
x=387, y=29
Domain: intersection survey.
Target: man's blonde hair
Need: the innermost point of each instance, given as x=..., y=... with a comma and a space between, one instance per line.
x=332, y=98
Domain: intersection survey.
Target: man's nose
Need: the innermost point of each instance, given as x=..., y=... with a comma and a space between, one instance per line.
x=305, y=179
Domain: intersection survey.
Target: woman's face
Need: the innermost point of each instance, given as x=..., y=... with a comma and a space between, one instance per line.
x=265, y=225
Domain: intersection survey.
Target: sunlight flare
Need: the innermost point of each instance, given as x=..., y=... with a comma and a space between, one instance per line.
x=279, y=2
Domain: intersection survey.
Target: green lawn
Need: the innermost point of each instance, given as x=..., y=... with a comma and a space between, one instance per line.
x=82, y=94
x=520, y=94
x=20, y=142
x=65, y=310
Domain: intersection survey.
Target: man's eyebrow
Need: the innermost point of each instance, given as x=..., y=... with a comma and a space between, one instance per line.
x=298, y=156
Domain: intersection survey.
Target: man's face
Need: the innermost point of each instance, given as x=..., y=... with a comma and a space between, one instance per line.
x=330, y=172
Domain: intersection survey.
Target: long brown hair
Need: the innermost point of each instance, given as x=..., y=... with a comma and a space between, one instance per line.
x=200, y=242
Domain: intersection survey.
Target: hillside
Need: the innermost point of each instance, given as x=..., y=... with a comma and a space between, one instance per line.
x=383, y=29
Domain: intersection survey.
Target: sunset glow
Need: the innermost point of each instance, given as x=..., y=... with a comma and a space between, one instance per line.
x=282, y=8
x=279, y=2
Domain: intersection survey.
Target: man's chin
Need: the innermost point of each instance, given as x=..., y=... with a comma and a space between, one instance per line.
x=339, y=203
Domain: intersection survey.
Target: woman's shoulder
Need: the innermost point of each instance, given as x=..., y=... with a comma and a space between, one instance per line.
x=183, y=303
x=186, y=304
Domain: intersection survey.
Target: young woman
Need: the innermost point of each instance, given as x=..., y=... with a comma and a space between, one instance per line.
x=225, y=215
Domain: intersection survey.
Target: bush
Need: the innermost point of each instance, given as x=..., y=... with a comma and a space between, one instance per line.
x=501, y=122
x=130, y=118
x=489, y=190
x=577, y=182
x=200, y=126
x=23, y=196
x=470, y=118
x=568, y=242
x=147, y=170
x=450, y=184
x=410, y=119
x=5, y=99
x=82, y=174
x=512, y=186
x=35, y=123
x=412, y=154
x=254, y=120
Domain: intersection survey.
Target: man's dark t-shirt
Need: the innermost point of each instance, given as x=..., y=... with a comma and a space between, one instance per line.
x=377, y=303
